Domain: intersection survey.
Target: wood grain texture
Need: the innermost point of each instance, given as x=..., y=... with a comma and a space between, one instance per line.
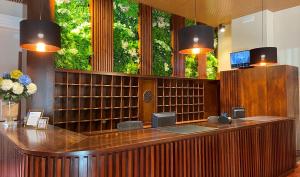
x=145, y=42
x=265, y=149
x=202, y=66
x=102, y=31
x=229, y=96
x=177, y=23
x=272, y=90
x=147, y=108
x=211, y=98
x=215, y=12
x=253, y=91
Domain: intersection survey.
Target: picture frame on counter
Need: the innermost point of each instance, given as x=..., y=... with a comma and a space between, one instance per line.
x=43, y=123
x=33, y=117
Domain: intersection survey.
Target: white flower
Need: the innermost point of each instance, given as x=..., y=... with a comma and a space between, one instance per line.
x=85, y=24
x=73, y=51
x=132, y=52
x=160, y=25
x=75, y=31
x=61, y=51
x=6, y=84
x=124, y=8
x=31, y=88
x=124, y=44
x=58, y=2
x=154, y=24
x=17, y=88
x=166, y=67
x=63, y=11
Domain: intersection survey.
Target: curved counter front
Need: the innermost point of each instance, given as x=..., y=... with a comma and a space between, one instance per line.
x=254, y=147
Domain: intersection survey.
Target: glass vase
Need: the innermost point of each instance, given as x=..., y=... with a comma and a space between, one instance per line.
x=9, y=111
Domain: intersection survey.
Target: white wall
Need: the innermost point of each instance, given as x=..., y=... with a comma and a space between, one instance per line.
x=10, y=15
x=287, y=35
x=281, y=29
x=224, y=49
x=247, y=31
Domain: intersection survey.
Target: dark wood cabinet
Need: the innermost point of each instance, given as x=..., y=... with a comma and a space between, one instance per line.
x=272, y=90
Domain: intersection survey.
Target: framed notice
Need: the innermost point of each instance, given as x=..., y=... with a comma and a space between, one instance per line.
x=33, y=117
x=43, y=123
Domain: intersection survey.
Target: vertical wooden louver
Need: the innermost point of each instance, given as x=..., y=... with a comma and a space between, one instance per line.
x=229, y=83
x=102, y=28
x=145, y=42
x=177, y=23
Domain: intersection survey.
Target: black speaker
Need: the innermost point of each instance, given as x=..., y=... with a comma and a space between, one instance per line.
x=163, y=119
x=238, y=112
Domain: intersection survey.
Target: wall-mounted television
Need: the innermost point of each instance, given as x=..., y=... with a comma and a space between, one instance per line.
x=240, y=59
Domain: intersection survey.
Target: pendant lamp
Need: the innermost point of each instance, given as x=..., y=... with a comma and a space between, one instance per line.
x=196, y=39
x=40, y=35
x=264, y=55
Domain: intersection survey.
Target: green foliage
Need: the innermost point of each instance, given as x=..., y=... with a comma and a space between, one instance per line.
x=191, y=66
x=161, y=42
x=126, y=56
x=211, y=66
x=74, y=18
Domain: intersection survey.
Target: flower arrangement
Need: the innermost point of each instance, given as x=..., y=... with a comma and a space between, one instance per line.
x=16, y=85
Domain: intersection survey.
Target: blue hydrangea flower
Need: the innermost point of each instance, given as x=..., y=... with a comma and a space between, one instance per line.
x=5, y=75
x=25, y=80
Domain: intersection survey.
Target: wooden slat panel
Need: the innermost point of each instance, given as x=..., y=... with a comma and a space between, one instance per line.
x=263, y=150
x=102, y=25
x=178, y=23
x=228, y=87
x=145, y=42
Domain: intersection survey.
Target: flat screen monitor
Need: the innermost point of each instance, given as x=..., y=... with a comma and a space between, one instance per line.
x=240, y=59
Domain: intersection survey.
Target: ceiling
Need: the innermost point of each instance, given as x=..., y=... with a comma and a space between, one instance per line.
x=215, y=12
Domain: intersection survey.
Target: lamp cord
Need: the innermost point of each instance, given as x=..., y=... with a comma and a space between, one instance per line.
x=195, y=14
x=41, y=8
x=262, y=23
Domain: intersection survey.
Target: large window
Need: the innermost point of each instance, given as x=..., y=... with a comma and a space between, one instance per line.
x=126, y=55
x=161, y=42
x=74, y=18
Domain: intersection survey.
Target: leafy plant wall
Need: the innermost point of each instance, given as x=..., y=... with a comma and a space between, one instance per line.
x=161, y=43
x=74, y=18
x=126, y=55
x=191, y=63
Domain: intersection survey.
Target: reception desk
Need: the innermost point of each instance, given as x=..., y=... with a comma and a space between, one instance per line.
x=254, y=147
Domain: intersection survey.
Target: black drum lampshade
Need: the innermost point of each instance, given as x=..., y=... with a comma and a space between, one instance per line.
x=196, y=39
x=263, y=56
x=40, y=35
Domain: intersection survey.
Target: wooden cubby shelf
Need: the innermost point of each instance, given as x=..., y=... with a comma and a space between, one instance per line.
x=183, y=96
x=86, y=102
x=95, y=101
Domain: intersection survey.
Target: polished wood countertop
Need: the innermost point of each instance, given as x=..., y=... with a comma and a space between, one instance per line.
x=55, y=140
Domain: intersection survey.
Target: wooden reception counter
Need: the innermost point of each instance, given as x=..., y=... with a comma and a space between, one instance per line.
x=256, y=146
